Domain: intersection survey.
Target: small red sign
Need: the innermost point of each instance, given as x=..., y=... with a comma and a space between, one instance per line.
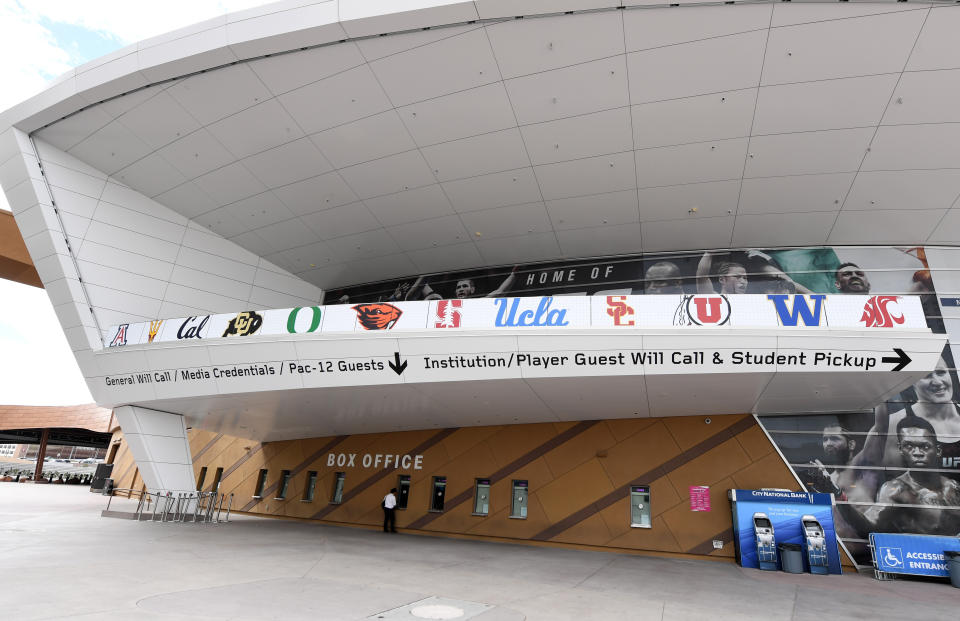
x=699, y=498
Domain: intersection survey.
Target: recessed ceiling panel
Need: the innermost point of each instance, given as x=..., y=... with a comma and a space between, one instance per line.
x=339, y=221
x=429, y=233
x=594, y=210
x=196, y=154
x=704, y=200
x=841, y=48
x=794, y=193
x=698, y=68
x=316, y=193
x=367, y=139
x=479, y=155
x=339, y=99
x=925, y=97
x=211, y=96
x=528, y=46
x=579, y=137
x=601, y=241
x=936, y=47
x=589, y=87
x=511, y=187
x=839, y=150
x=460, y=115
x=595, y=175
x=507, y=221
x=716, y=160
x=285, y=72
x=287, y=163
x=694, y=119
x=885, y=226
x=660, y=27
x=387, y=175
x=692, y=233
x=256, y=129
x=410, y=206
x=784, y=229
x=901, y=147
x=904, y=189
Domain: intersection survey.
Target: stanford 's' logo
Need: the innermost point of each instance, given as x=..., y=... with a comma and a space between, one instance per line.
x=618, y=308
x=377, y=316
x=448, y=314
x=876, y=313
x=702, y=310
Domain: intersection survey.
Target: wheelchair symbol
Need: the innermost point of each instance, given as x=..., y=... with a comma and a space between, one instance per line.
x=892, y=558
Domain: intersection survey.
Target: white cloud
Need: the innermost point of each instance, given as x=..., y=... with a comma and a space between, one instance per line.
x=36, y=363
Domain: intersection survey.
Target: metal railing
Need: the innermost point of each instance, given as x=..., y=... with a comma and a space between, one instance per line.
x=167, y=506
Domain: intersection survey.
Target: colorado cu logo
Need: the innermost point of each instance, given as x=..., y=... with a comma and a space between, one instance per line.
x=378, y=316
x=702, y=310
x=448, y=314
x=244, y=324
x=876, y=313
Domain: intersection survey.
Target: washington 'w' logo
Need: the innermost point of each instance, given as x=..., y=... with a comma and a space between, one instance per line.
x=800, y=310
x=877, y=315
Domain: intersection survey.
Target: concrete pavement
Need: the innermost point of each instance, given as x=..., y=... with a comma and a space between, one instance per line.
x=61, y=560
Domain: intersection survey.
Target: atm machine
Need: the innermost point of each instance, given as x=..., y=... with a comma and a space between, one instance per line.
x=816, y=543
x=766, y=542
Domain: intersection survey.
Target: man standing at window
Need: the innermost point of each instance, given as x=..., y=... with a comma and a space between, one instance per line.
x=389, y=505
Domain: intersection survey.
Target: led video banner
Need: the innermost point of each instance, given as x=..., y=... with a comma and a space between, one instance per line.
x=815, y=270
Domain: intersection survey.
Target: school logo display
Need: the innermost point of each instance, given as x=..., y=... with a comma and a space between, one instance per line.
x=878, y=312
x=315, y=317
x=509, y=314
x=244, y=324
x=191, y=328
x=621, y=312
x=154, y=330
x=800, y=311
x=120, y=338
x=377, y=316
x=702, y=310
x=448, y=314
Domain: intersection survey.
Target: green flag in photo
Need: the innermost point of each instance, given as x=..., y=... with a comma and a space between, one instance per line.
x=814, y=268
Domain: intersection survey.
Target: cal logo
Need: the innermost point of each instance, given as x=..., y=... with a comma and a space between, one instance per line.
x=377, y=316
x=702, y=310
x=154, y=330
x=244, y=324
x=800, y=310
x=120, y=338
x=618, y=308
x=191, y=329
x=448, y=314
x=877, y=312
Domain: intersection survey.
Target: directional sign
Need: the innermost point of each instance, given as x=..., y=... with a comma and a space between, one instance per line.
x=396, y=365
x=901, y=359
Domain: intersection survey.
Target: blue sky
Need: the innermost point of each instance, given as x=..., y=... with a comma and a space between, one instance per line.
x=39, y=41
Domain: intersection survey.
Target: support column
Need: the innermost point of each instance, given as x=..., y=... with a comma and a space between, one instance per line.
x=41, y=453
x=158, y=442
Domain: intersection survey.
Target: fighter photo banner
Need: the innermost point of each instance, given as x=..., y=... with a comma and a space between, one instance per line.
x=893, y=470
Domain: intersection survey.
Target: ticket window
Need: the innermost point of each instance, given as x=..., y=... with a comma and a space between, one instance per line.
x=438, y=493
x=283, y=485
x=261, y=481
x=403, y=491
x=337, y=497
x=518, y=501
x=639, y=506
x=308, y=489
x=481, y=497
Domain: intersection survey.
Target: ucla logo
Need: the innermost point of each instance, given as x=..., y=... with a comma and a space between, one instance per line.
x=800, y=310
x=509, y=317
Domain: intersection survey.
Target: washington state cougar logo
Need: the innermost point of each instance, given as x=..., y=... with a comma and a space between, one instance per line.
x=707, y=310
x=877, y=315
x=377, y=316
x=448, y=314
x=618, y=308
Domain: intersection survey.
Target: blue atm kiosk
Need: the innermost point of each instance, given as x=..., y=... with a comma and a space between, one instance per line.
x=815, y=542
x=766, y=541
x=763, y=519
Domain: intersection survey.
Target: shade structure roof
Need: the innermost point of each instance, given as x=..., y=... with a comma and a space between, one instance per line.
x=355, y=141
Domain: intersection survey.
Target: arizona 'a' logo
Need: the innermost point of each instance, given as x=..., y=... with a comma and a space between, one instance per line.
x=244, y=324
x=448, y=314
x=154, y=330
x=120, y=338
x=702, y=310
x=618, y=308
x=377, y=316
x=876, y=312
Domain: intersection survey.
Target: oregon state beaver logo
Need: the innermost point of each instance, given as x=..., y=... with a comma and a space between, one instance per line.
x=377, y=316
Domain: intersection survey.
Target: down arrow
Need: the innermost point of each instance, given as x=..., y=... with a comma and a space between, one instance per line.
x=902, y=359
x=399, y=368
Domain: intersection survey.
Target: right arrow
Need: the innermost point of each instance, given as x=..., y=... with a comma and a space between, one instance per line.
x=902, y=359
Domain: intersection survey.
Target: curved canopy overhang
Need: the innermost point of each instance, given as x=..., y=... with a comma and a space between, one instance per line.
x=354, y=141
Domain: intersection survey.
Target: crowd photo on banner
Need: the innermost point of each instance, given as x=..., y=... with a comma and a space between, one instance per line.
x=895, y=469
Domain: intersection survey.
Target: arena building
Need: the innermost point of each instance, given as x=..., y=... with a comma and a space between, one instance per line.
x=560, y=271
